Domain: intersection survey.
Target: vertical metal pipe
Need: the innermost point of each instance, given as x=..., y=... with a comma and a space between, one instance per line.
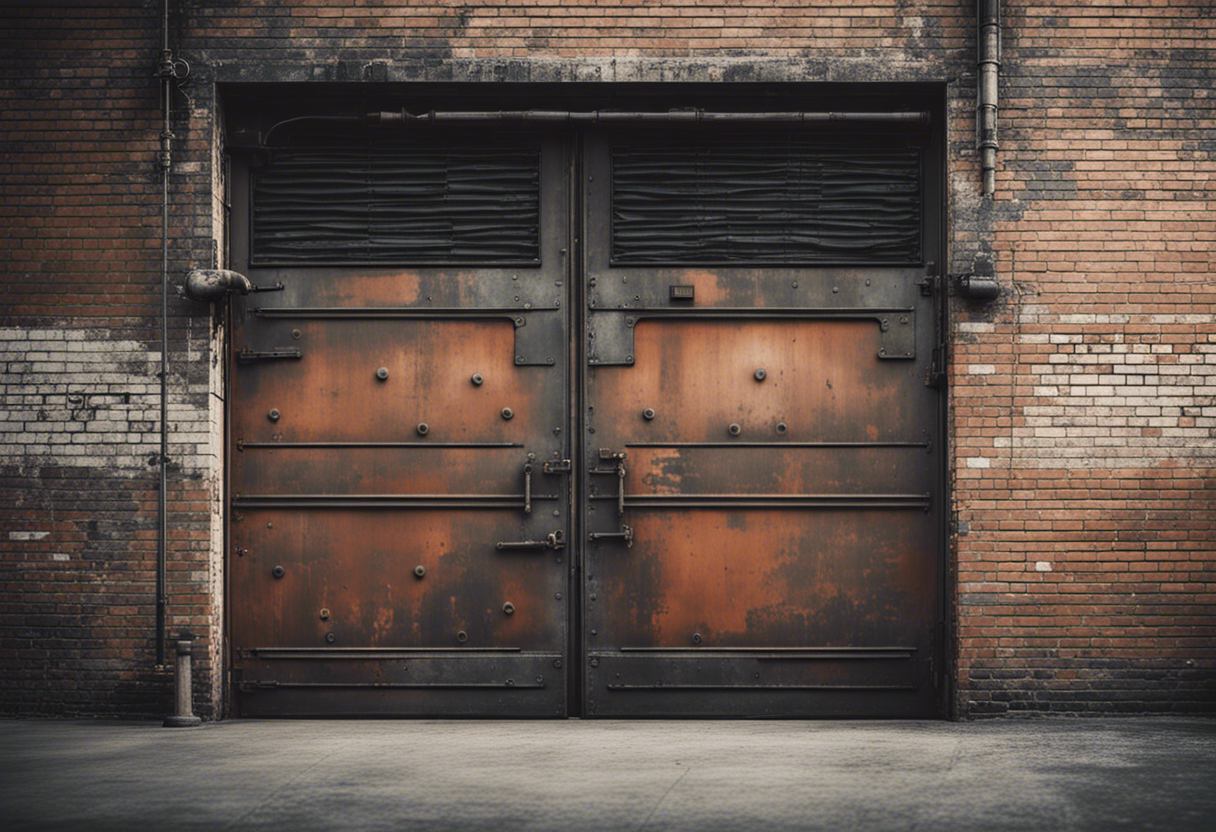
x=988, y=64
x=165, y=159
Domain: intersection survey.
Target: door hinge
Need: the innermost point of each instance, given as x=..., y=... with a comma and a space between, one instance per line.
x=935, y=376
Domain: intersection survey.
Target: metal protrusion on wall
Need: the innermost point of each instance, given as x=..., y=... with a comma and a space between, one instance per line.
x=477, y=379
x=734, y=429
x=978, y=287
x=382, y=374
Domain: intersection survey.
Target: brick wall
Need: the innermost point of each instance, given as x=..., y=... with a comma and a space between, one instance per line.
x=1081, y=402
x=80, y=214
x=1085, y=403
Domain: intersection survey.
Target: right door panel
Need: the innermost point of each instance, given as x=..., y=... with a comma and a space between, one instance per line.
x=762, y=485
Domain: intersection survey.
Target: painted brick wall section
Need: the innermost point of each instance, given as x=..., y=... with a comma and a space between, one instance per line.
x=1083, y=406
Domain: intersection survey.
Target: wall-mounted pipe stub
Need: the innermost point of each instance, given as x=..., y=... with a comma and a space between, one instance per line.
x=978, y=287
x=206, y=285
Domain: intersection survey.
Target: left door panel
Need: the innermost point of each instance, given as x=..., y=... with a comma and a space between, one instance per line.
x=397, y=546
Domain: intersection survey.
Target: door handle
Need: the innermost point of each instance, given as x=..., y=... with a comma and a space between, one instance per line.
x=625, y=534
x=553, y=540
x=527, y=489
x=618, y=469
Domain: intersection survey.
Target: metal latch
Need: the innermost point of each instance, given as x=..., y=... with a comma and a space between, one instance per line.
x=618, y=457
x=928, y=286
x=556, y=466
x=625, y=534
x=553, y=540
x=608, y=455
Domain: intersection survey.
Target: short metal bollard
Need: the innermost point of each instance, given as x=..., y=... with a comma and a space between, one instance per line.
x=184, y=718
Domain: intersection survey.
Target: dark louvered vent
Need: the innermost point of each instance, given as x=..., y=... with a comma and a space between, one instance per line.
x=382, y=204
x=757, y=202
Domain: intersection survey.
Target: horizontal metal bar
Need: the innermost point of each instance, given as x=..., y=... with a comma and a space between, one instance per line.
x=848, y=312
x=271, y=653
x=511, y=313
x=279, y=262
x=431, y=501
x=816, y=650
x=661, y=687
x=802, y=264
x=777, y=444
x=245, y=356
x=615, y=117
x=759, y=501
x=252, y=685
x=243, y=445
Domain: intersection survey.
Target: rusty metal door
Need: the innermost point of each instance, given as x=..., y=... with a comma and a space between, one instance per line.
x=399, y=533
x=721, y=494
x=761, y=467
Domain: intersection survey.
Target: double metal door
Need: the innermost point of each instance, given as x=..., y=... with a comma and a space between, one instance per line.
x=578, y=485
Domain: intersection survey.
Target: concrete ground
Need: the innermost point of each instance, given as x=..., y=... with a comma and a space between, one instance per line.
x=1098, y=774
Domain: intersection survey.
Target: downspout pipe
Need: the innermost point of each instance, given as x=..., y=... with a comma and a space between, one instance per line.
x=165, y=162
x=988, y=66
x=166, y=72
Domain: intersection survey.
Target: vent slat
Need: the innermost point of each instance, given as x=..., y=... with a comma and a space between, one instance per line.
x=785, y=202
x=393, y=204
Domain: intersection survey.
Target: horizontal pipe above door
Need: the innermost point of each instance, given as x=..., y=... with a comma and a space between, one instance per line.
x=611, y=116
